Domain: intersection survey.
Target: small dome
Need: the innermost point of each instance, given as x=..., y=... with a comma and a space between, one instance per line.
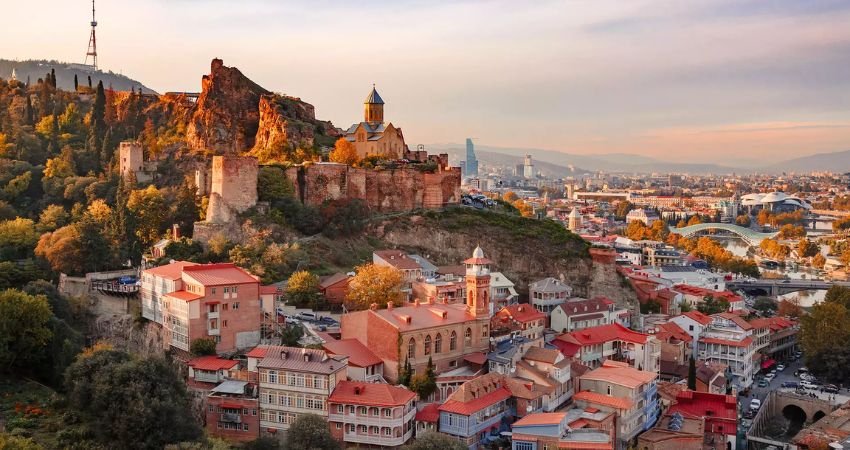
x=477, y=253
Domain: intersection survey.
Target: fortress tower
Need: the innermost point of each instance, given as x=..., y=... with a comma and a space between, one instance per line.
x=132, y=157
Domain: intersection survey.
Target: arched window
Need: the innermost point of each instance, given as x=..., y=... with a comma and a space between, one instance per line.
x=427, y=345
x=411, y=348
x=467, y=336
x=453, y=342
x=438, y=343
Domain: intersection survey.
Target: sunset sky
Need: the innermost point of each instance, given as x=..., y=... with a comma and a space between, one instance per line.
x=702, y=81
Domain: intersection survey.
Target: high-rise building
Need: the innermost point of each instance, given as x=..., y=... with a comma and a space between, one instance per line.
x=528, y=167
x=471, y=160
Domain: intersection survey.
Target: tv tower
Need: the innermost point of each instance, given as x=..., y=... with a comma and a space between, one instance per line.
x=92, y=40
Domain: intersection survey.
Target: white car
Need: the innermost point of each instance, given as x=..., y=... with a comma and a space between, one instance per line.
x=770, y=376
x=808, y=385
x=755, y=404
x=780, y=368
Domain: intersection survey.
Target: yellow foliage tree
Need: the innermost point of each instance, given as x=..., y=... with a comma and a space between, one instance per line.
x=344, y=152
x=374, y=284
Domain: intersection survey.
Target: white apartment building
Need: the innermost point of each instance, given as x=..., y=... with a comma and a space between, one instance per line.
x=729, y=340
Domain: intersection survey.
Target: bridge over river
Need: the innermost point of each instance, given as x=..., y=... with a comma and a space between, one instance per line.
x=779, y=287
x=751, y=237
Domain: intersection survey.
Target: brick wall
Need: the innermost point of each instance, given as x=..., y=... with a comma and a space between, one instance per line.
x=235, y=179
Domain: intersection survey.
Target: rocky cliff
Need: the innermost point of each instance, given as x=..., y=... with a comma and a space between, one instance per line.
x=234, y=115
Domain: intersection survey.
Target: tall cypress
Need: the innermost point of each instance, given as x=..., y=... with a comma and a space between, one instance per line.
x=89, y=81
x=76, y=83
x=53, y=77
x=692, y=374
x=29, y=115
x=98, y=114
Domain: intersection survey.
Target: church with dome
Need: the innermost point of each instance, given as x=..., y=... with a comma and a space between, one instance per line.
x=373, y=136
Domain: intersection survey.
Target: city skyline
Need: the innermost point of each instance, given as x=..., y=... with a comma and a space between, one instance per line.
x=698, y=81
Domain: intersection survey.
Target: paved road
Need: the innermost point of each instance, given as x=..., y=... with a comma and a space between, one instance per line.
x=781, y=377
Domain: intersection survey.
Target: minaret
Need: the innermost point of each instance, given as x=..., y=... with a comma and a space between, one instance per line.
x=478, y=284
x=373, y=108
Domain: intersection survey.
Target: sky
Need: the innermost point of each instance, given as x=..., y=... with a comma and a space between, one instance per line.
x=681, y=80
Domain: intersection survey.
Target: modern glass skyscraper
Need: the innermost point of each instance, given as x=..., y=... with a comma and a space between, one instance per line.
x=471, y=160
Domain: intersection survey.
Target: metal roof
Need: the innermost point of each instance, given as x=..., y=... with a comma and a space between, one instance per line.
x=230, y=387
x=374, y=98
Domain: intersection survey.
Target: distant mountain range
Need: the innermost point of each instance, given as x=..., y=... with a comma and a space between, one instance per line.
x=35, y=69
x=630, y=163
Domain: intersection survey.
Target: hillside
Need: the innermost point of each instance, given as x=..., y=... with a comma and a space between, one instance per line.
x=833, y=162
x=448, y=237
x=35, y=69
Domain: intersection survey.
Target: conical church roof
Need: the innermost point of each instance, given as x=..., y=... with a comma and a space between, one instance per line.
x=374, y=98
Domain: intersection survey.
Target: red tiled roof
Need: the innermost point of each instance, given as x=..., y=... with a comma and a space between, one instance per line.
x=553, y=418
x=171, y=271
x=212, y=363
x=423, y=316
x=620, y=373
x=604, y=333
x=430, y=413
x=370, y=394
x=698, y=317
x=676, y=331
x=358, y=354
x=738, y=320
x=398, y=259
x=332, y=280
x=475, y=405
x=476, y=358
x=268, y=290
x=569, y=349
x=715, y=407
x=219, y=274
x=522, y=312
x=184, y=295
x=257, y=352
x=742, y=343
x=602, y=399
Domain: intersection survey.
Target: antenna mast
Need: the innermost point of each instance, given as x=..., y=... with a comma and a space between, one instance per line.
x=92, y=40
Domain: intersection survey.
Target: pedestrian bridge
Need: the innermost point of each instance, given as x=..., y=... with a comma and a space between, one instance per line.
x=751, y=237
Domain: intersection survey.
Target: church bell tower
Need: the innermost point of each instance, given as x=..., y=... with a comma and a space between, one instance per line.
x=478, y=284
x=373, y=108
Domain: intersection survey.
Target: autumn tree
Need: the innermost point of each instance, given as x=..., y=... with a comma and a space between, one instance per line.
x=17, y=238
x=510, y=197
x=622, y=210
x=819, y=261
x=374, y=284
x=790, y=231
x=790, y=308
x=807, y=248
x=743, y=220
x=52, y=217
x=694, y=220
x=302, y=289
x=344, y=152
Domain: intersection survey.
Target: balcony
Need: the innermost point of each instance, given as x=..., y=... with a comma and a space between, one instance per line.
x=228, y=417
x=378, y=421
x=213, y=315
x=214, y=331
x=387, y=441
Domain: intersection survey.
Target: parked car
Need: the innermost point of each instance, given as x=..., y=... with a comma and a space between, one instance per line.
x=790, y=384
x=808, y=385
x=292, y=320
x=780, y=368
x=328, y=320
x=763, y=383
x=770, y=376
x=831, y=388
x=127, y=279
x=308, y=316
x=755, y=404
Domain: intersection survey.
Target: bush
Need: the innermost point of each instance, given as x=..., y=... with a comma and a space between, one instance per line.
x=203, y=347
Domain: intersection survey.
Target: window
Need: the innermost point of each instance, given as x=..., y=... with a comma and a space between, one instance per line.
x=338, y=426
x=467, y=336
x=518, y=445
x=340, y=409
x=235, y=305
x=224, y=323
x=388, y=432
x=212, y=408
x=388, y=412
x=427, y=345
x=226, y=290
x=272, y=376
x=411, y=348
x=362, y=411
x=373, y=412
x=374, y=430
x=438, y=343
x=233, y=289
x=362, y=428
x=452, y=364
x=453, y=342
x=244, y=427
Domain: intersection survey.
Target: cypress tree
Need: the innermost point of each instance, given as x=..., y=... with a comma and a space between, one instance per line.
x=98, y=114
x=76, y=83
x=53, y=77
x=89, y=81
x=29, y=115
x=692, y=374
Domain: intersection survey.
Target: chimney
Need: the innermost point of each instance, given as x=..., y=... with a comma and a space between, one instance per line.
x=175, y=231
x=283, y=354
x=521, y=308
x=306, y=357
x=389, y=306
x=357, y=390
x=373, y=307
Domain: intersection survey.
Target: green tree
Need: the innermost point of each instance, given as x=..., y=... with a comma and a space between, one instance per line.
x=425, y=384
x=765, y=304
x=826, y=328
x=650, y=307
x=692, y=374
x=9, y=442
x=302, y=289
x=272, y=185
x=838, y=294
x=76, y=83
x=404, y=375
x=52, y=218
x=622, y=210
x=203, y=347
x=310, y=432
x=105, y=385
x=711, y=305
x=432, y=440
x=292, y=334
x=149, y=211
x=24, y=323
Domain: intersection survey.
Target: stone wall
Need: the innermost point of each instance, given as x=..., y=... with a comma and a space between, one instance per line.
x=383, y=190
